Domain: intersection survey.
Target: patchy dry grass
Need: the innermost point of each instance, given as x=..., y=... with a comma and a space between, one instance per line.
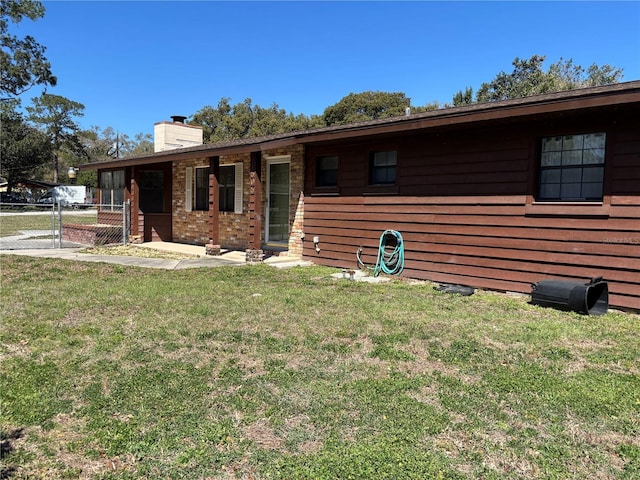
x=256, y=372
x=130, y=250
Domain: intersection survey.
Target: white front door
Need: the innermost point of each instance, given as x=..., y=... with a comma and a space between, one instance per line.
x=278, y=194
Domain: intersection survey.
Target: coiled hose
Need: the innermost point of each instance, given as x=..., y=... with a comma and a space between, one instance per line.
x=390, y=254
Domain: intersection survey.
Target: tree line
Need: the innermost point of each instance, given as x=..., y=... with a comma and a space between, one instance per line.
x=46, y=140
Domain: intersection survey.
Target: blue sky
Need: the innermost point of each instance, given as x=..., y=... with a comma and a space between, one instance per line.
x=132, y=64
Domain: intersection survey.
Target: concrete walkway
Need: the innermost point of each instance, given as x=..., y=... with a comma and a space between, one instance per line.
x=199, y=260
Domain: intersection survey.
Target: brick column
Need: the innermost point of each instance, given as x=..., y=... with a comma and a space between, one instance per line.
x=255, y=207
x=297, y=230
x=214, y=202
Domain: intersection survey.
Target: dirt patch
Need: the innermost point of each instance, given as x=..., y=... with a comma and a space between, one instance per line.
x=51, y=448
x=263, y=435
x=20, y=349
x=74, y=318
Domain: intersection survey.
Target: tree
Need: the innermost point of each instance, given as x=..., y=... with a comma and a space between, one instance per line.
x=107, y=144
x=569, y=76
x=227, y=122
x=55, y=114
x=142, y=144
x=24, y=149
x=274, y=120
x=359, y=107
x=244, y=120
x=22, y=61
x=215, y=122
x=101, y=146
x=529, y=78
x=463, y=98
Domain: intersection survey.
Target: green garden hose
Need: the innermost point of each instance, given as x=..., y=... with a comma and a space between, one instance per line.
x=390, y=254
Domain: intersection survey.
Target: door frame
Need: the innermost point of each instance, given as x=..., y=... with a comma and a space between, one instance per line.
x=275, y=160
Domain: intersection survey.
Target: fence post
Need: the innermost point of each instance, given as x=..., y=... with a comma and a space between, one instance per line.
x=53, y=225
x=125, y=209
x=59, y=225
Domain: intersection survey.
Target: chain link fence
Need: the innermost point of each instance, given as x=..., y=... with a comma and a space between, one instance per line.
x=27, y=226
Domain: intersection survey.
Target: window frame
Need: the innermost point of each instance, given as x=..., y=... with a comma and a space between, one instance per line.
x=238, y=188
x=560, y=165
x=320, y=182
x=200, y=192
x=110, y=200
x=536, y=207
x=372, y=181
x=224, y=189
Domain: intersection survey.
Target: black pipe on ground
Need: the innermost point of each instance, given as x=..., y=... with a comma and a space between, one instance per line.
x=591, y=298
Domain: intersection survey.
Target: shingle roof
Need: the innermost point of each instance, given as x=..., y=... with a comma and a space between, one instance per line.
x=558, y=101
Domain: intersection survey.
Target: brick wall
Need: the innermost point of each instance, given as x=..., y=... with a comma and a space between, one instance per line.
x=188, y=227
x=92, y=234
x=297, y=229
x=234, y=228
x=192, y=227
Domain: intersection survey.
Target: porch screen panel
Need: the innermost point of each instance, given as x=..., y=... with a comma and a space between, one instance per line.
x=152, y=191
x=112, y=188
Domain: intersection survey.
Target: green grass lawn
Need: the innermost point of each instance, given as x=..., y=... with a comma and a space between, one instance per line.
x=110, y=372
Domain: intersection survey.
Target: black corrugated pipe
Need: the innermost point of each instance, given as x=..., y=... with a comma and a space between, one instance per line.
x=591, y=298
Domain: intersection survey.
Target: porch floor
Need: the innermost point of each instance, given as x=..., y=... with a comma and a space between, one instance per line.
x=183, y=248
x=233, y=255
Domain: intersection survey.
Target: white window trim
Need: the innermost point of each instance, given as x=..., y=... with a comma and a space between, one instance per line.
x=237, y=200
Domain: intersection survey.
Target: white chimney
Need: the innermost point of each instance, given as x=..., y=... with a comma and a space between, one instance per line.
x=175, y=134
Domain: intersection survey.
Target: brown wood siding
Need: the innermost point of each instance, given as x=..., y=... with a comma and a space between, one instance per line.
x=140, y=224
x=626, y=174
x=463, y=208
x=157, y=227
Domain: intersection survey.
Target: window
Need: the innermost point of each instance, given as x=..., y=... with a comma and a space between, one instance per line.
x=201, y=189
x=382, y=168
x=572, y=168
x=227, y=182
x=197, y=188
x=112, y=188
x=327, y=172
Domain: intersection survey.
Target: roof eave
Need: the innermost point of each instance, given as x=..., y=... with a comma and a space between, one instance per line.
x=486, y=112
x=572, y=100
